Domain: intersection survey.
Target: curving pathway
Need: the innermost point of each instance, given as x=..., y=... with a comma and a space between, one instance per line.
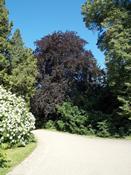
x=66, y=154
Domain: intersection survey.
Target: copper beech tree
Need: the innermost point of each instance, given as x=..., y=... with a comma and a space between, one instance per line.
x=66, y=72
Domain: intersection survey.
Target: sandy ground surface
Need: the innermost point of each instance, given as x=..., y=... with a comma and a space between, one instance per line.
x=66, y=154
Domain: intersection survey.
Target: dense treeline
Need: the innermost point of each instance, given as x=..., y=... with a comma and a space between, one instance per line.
x=61, y=81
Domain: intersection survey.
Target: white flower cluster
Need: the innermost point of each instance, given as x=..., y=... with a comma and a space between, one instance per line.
x=16, y=122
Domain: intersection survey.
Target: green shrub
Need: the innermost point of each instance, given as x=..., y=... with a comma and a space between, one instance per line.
x=98, y=124
x=103, y=129
x=60, y=125
x=50, y=125
x=71, y=119
x=3, y=161
x=16, y=122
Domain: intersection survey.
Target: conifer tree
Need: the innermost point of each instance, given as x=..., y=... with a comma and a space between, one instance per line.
x=23, y=73
x=5, y=28
x=112, y=19
x=17, y=47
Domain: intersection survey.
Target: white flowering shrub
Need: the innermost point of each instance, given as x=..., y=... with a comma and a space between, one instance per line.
x=16, y=122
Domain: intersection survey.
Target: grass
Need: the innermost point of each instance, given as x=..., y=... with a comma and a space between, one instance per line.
x=16, y=155
x=128, y=137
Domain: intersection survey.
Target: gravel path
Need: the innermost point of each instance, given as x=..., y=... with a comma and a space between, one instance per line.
x=66, y=154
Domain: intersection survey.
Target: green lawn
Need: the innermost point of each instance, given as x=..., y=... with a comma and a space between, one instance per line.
x=16, y=155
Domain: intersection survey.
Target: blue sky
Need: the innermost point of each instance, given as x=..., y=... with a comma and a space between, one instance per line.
x=37, y=18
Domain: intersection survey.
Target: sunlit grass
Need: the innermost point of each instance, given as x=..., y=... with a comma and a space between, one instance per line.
x=16, y=155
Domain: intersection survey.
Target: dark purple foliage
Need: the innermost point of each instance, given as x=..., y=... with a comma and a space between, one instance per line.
x=66, y=69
